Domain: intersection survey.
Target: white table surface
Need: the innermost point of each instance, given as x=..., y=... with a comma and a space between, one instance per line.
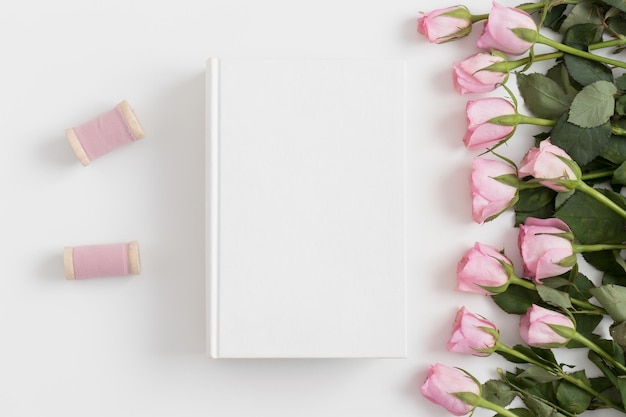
x=135, y=346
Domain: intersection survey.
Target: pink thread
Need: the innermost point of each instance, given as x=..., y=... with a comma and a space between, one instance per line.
x=101, y=261
x=104, y=133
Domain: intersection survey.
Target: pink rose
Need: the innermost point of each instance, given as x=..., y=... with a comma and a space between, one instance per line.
x=482, y=132
x=473, y=76
x=469, y=335
x=443, y=25
x=481, y=269
x=545, y=251
x=545, y=163
x=490, y=195
x=535, y=327
x=443, y=382
x=498, y=34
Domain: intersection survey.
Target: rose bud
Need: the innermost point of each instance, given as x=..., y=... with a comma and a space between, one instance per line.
x=476, y=73
x=483, y=129
x=444, y=25
x=552, y=165
x=498, y=32
x=443, y=382
x=546, y=248
x=472, y=334
x=483, y=270
x=493, y=186
x=544, y=328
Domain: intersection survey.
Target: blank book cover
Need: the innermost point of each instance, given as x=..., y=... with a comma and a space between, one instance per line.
x=306, y=208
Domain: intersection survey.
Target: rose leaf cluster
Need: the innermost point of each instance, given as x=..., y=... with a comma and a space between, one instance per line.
x=566, y=197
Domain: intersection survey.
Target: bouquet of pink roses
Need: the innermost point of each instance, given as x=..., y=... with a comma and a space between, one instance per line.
x=566, y=196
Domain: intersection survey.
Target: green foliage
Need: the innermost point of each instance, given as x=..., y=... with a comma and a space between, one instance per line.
x=579, y=104
x=582, y=35
x=619, y=176
x=534, y=202
x=498, y=392
x=586, y=324
x=543, y=96
x=582, y=144
x=516, y=300
x=613, y=299
x=615, y=150
x=583, y=13
x=573, y=398
x=593, y=105
x=591, y=221
x=554, y=297
x=618, y=4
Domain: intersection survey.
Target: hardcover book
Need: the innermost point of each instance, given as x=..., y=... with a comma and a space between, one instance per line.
x=306, y=208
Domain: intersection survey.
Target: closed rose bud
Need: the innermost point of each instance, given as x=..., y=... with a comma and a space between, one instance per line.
x=535, y=327
x=473, y=76
x=498, y=31
x=546, y=248
x=482, y=270
x=472, y=334
x=492, y=188
x=443, y=382
x=482, y=131
x=548, y=164
x=444, y=25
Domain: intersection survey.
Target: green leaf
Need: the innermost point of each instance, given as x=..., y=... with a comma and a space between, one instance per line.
x=606, y=261
x=615, y=150
x=555, y=17
x=585, y=325
x=554, y=297
x=593, y=105
x=600, y=383
x=619, y=4
x=621, y=384
x=534, y=202
x=591, y=221
x=537, y=354
x=618, y=333
x=613, y=299
x=498, y=392
x=577, y=286
x=619, y=176
x=516, y=299
x=582, y=35
x=583, y=12
x=617, y=24
x=620, y=105
x=540, y=408
x=614, y=279
x=599, y=362
x=538, y=374
x=559, y=75
x=582, y=144
x=543, y=96
x=621, y=82
x=612, y=348
x=572, y=398
x=586, y=71
x=519, y=412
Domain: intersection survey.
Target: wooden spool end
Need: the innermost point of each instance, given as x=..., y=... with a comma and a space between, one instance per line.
x=134, y=264
x=131, y=120
x=68, y=262
x=72, y=138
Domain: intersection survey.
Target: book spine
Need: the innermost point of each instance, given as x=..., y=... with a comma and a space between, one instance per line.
x=212, y=205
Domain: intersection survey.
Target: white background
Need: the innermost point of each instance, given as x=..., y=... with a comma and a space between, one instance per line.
x=134, y=346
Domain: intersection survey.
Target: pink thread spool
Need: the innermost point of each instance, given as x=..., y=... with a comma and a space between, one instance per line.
x=109, y=131
x=109, y=260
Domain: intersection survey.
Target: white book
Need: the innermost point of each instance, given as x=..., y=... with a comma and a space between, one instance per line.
x=306, y=208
